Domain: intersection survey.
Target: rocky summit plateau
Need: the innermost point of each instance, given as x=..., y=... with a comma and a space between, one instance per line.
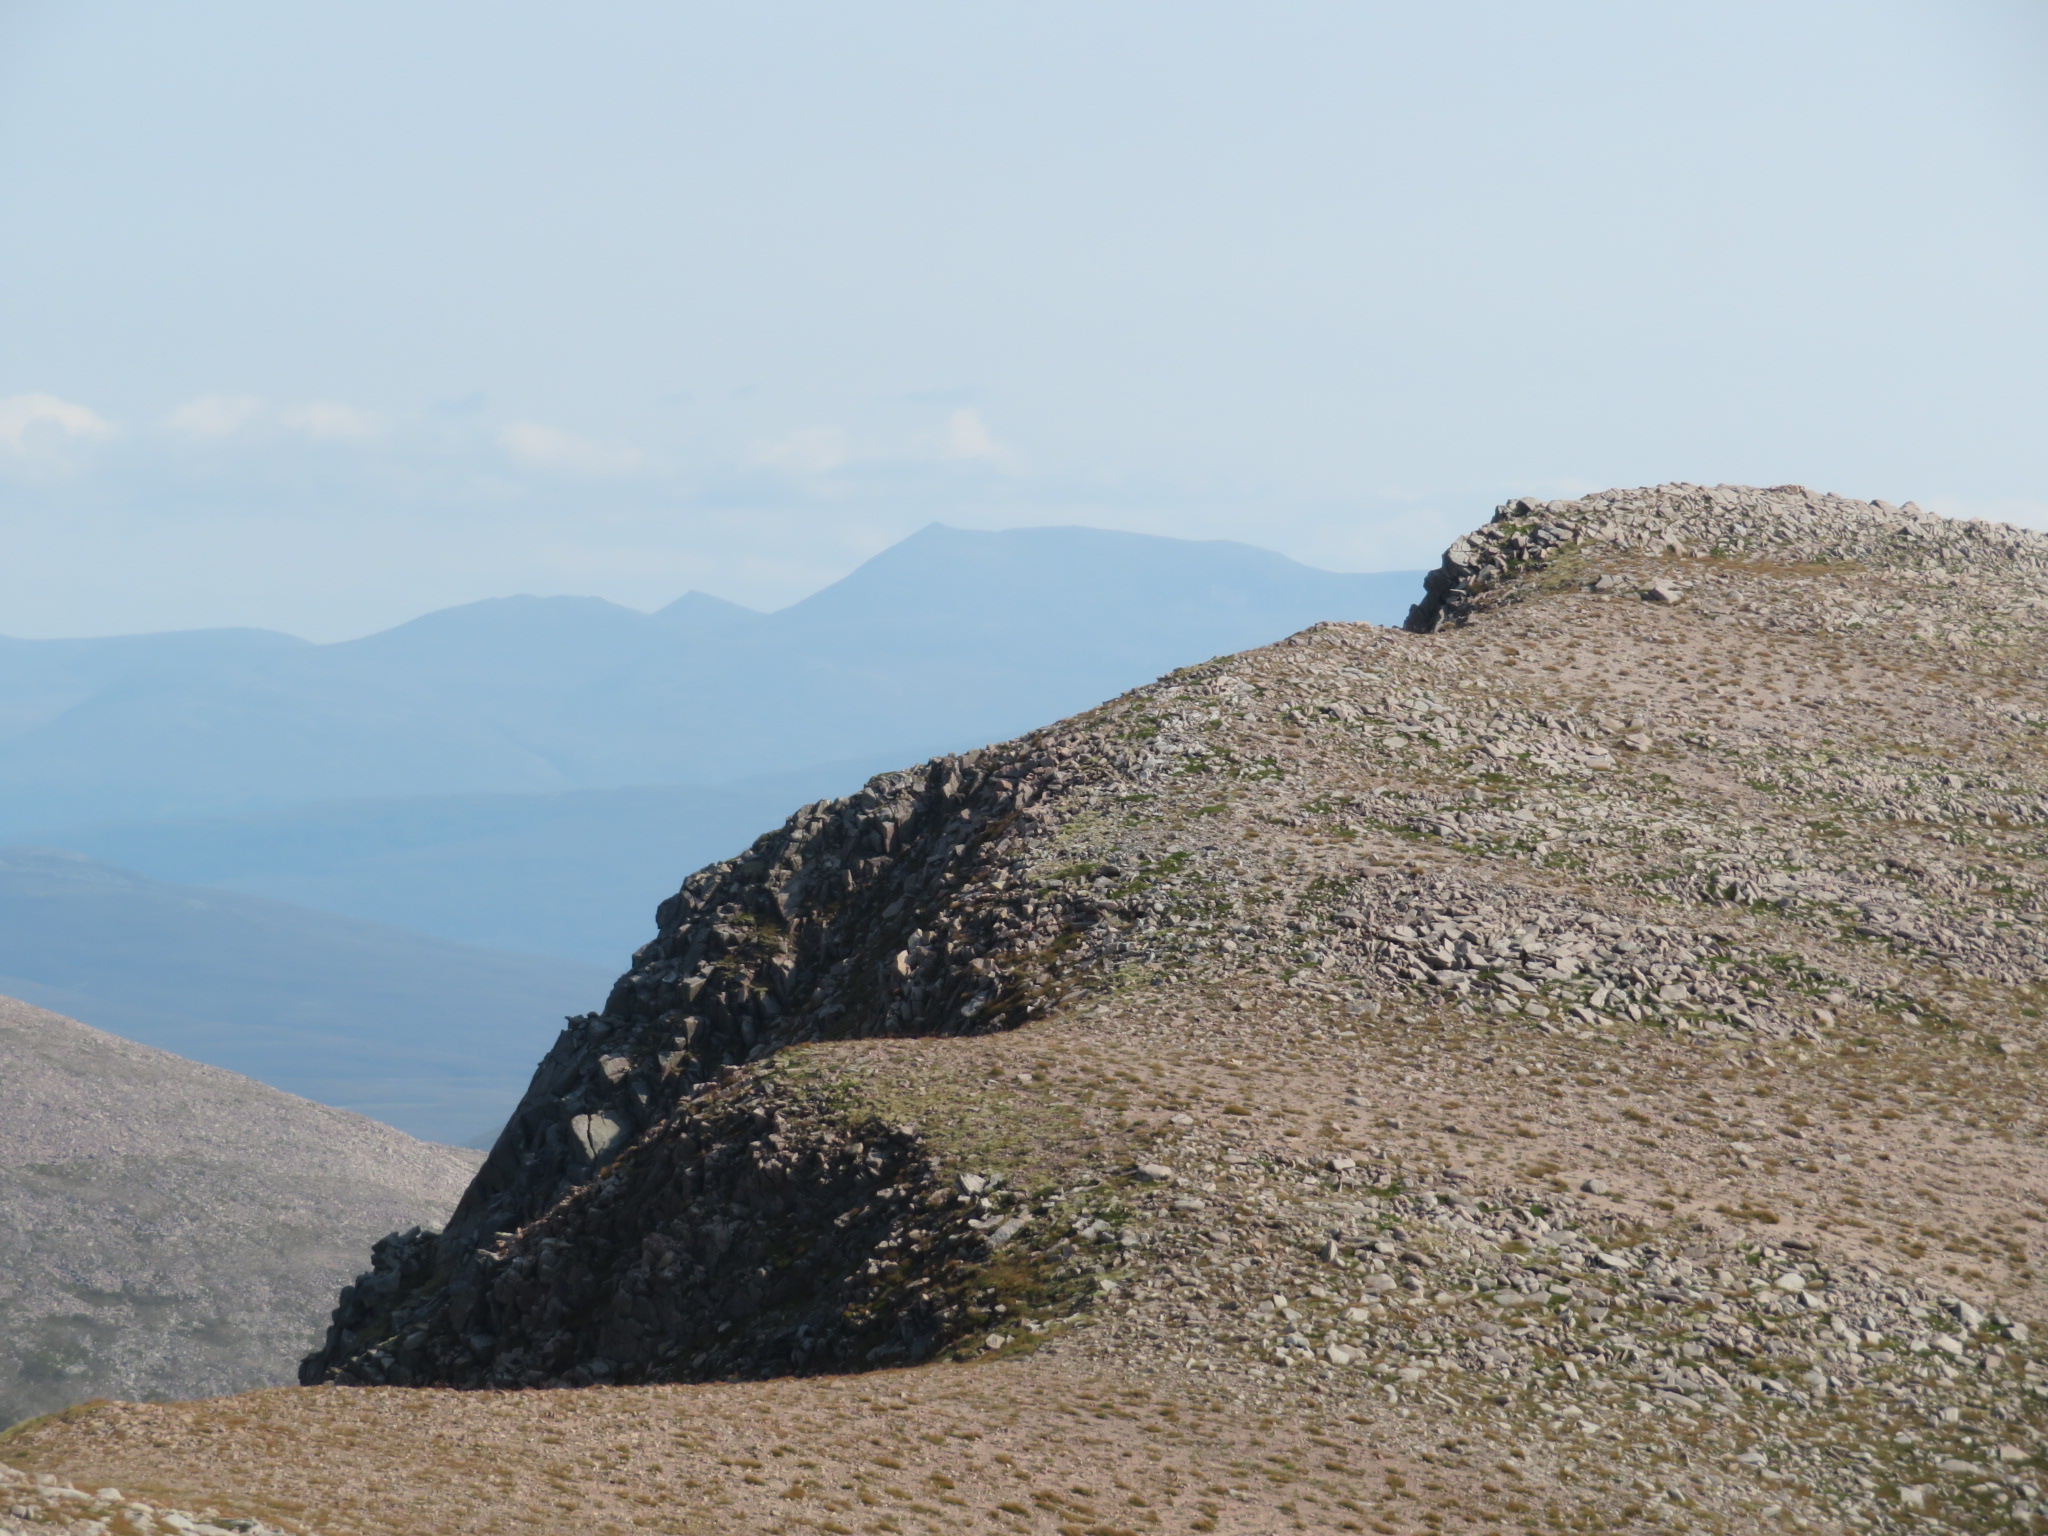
x=1570, y=1064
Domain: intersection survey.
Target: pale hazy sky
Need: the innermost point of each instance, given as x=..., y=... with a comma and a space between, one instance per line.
x=318, y=316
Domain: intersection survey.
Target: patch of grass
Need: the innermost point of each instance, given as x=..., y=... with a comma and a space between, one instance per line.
x=1757, y=1214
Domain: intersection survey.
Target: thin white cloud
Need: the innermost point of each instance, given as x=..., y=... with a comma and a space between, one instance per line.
x=811, y=451
x=543, y=447
x=330, y=420
x=968, y=437
x=211, y=417
x=27, y=421
x=963, y=439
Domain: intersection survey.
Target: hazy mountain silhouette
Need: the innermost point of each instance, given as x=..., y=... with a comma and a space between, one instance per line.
x=531, y=773
x=947, y=639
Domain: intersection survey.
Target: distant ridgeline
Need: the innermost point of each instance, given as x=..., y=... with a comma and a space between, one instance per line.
x=947, y=640
x=529, y=773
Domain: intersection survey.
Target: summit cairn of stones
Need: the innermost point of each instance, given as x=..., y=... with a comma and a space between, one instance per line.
x=1572, y=1062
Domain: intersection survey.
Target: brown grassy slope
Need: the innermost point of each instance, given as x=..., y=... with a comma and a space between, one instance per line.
x=1728, y=909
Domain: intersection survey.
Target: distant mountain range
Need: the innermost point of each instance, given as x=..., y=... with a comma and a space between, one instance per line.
x=948, y=639
x=170, y=1229
x=534, y=773
x=422, y=1034
x=530, y=775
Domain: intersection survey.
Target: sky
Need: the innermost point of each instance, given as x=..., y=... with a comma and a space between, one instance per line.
x=317, y=317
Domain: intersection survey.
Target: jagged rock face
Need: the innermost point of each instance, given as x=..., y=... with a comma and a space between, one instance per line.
x=845, y=922
x=752, y=1232
x=885, y=913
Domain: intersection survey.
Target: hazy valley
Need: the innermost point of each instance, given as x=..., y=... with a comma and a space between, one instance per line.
x=417, y=1032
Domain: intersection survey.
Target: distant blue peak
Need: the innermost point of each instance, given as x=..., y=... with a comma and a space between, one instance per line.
x=705, y=605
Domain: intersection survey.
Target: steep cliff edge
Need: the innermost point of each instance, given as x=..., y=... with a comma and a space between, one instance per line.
x=884, y=913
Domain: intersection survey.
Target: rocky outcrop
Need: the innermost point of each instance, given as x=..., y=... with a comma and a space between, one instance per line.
x=1782, y=522
x=886, y=913
x=754, y=1231
x=846, y=922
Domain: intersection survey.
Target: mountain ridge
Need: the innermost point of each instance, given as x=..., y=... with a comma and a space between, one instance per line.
x=1572, y=1064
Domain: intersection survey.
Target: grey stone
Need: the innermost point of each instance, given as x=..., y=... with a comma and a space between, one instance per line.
x=1009, y=1229
x=599, y=1135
